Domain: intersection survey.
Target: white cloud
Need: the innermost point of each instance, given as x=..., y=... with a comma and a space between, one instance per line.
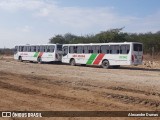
x=77, y=20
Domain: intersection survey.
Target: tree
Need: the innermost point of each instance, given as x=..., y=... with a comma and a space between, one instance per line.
x=57, y=39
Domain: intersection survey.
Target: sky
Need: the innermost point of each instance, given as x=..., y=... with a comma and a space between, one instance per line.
x=36, y=21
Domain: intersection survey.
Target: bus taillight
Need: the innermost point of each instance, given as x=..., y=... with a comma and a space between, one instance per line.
x=56, y=55
x=132, y=58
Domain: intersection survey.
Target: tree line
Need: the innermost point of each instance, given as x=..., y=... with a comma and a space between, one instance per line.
x=151, y=41
x=6, y=51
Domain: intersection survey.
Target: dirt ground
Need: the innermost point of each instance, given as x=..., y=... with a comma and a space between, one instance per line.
x=57, y=87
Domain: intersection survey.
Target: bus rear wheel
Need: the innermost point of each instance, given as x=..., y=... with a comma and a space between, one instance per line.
x=72, y=62
x=105, y=64
x=39, y=60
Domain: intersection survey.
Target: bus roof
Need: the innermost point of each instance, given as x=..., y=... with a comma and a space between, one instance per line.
x=39, y=44
x=121, y=43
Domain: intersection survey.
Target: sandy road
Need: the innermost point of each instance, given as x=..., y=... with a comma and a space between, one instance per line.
x=31, y=86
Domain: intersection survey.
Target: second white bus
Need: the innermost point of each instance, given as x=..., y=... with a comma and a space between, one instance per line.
x=103, y=54
x=38, y=53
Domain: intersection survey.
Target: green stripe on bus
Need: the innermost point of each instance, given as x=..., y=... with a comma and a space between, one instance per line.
x=91, y=59
x=36, y=54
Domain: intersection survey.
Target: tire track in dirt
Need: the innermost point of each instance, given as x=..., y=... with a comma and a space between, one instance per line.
x=8, y=86
x=83, y=86
x=79, y=100
x=124, y=98
x=117, y=88
x=133, y=100
x=134, y=91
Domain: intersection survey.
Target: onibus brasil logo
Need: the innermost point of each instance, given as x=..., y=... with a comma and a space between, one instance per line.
x=21, y=114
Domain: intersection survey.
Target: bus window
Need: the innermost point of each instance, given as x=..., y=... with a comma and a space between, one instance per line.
x=16, y=49
x=46, y=48
x=105, y=49
x=79, y=49
x=73, y=49
x=87, y=49
x=124, y=49
x=21, y=48
x=59, y=47
x=29, y=49
x=42, y=48
x=33, y=48
x=137, y=47
x=95, y=49
x=51, y=48
x=25, y=49
x=65, y=50
x=114, y=49
x=37, y=48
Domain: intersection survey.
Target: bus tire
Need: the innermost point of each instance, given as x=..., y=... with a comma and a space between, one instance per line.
x=105, y=64
x=20, y=59
x=39, y=60
x=72, y=62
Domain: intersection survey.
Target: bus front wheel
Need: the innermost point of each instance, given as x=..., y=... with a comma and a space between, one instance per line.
x=72, y=62
x=105, y=64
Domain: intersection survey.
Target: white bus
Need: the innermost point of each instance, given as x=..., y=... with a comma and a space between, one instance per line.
x=103, y=54
x=38, y=53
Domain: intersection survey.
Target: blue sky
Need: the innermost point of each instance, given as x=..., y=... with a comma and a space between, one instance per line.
x=36, y=21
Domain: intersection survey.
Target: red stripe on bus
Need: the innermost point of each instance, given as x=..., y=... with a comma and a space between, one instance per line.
x=40, y=54
x=98, y=59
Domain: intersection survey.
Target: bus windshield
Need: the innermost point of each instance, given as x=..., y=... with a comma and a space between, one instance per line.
x=59, y=47
x=137, y=47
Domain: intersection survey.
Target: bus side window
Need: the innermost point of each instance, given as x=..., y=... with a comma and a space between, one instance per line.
x=16, y=49
x=28, y=49
x=75, y=49
x=20, y=48
x=95, y=49
x=114, y=49
x=32, y=48
x=105, y=49
x=37, y=49
x=71, y=49
x=128, y=48
x=80, y=49
x=65, y=50
x=42, y=48
x=111, y=49
x=46, y=48
x=124, y=49
x=86, y=49
x=25, y=49
x=51, y=48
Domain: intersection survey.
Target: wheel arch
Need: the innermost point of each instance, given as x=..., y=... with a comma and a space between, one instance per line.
x=71, y=60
